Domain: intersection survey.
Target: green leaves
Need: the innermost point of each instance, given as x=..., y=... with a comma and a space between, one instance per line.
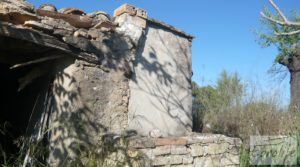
x=272, y=35
x=228, y=91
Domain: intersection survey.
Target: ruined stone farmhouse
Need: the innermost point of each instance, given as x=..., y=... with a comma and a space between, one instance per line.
x=68, y=78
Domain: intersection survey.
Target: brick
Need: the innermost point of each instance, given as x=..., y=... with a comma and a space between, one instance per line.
x=131, y=10
x=179, y=149
x=170, y=141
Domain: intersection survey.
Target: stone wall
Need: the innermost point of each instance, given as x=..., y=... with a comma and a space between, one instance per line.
x=195, y=150
x=160, y=86
x=128, y=75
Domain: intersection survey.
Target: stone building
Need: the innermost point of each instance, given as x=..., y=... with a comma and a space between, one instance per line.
x=70, y=78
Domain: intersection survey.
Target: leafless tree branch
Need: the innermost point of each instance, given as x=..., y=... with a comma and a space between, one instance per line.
x=288, y=33
x=278, y=11
x=285, y=21
x=272, y=20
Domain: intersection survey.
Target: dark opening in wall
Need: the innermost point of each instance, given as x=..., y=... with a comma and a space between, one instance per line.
x=17, y=107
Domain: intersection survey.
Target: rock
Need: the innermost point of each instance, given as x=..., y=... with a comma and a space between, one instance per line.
x=73, y=11
x=48, y=7
x=20, y=5
x=162, y=150
x=131, y=10
x=101, y=20
x=141, y=13
x=74, y=20
x=99, y=15
x=106, y=24
x=38, y=26
x=197, y=150
x=81, y=33
x=155, y=133
x=179, y=150
x=16, y=11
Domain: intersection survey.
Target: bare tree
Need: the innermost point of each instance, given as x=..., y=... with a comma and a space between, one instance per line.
x=285, y=34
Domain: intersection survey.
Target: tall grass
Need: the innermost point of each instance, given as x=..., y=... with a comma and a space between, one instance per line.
x=252, y=111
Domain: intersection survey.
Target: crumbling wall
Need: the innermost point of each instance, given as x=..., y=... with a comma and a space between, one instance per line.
x=186, y=151
x=122, y=77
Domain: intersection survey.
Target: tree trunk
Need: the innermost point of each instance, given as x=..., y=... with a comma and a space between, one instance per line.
x=294, y=69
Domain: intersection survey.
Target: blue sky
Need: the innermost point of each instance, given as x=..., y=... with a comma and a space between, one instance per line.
x=223, y=31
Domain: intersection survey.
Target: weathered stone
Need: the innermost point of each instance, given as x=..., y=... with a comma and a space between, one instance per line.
x=170, y=141
x=58, y=24
x=91, y=102
x=74, y=11
x=16, y=12
x=106, y=24
x=229, y=159
x=217, y=148
x=187, y=159
x=155, y=133
x=182, y=165
x=125, y=9
x=74, y=20
x=197, y=150
x=148, y=153
x=38, y=26
x=159, y=161
x=142, y=143
x=207, y=161
x=48, y=7
x=132, y=153
x=81, y=33
x=99, y=17
x=162, y=150
x=141, y=13
x=175, y=159
x=167, y=160
x=179, y=149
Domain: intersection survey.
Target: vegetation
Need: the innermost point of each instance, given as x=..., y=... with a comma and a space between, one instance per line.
x=234, y=108
x=284, y=33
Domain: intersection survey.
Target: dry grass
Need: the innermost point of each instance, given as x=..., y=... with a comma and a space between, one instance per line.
x=257, y=114
x=252, y=119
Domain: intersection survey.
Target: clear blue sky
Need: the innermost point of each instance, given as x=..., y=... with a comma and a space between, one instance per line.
x=224, y=39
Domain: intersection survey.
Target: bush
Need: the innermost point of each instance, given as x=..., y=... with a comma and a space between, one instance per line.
x=234, y=109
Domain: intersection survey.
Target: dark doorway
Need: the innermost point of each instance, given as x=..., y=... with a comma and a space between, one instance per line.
x=18, y=107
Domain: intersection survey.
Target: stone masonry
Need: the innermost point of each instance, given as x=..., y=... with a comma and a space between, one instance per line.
x=109, y=76
x=194, y=150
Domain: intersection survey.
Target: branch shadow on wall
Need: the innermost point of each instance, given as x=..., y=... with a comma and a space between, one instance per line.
x=165, y=81
x=72, y=122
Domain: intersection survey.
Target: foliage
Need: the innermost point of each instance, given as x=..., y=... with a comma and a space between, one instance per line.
x=284, y=43
x=228, y=92
x=234, y=109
